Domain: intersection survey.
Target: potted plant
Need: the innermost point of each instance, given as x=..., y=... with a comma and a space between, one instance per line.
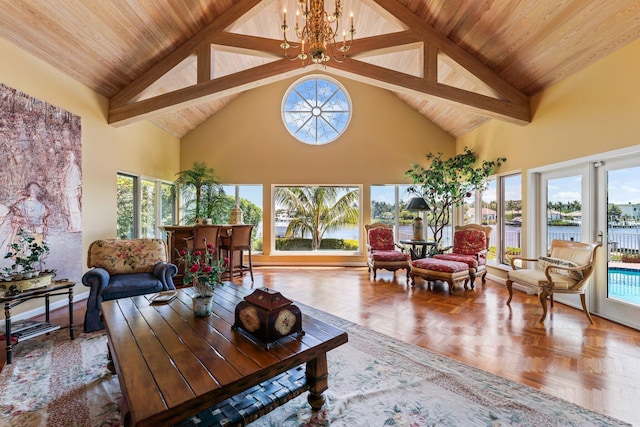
x=203, y=271
x=446, y=182
x=200, y=177
x=27, y=255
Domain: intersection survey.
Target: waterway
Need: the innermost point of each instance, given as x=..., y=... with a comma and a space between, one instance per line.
x=621, y=238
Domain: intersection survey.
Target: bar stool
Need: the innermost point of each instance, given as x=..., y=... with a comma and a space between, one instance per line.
x=234, y=240
x=200, y=233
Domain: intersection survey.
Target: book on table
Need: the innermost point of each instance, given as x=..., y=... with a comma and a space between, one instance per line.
x=163, y=297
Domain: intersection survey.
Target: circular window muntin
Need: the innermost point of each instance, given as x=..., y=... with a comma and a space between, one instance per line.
x=311, y=123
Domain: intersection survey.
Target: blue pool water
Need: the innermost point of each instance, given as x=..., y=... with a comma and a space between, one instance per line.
x=624, y=284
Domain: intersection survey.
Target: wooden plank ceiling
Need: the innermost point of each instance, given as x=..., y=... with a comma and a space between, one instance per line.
x=458, y=63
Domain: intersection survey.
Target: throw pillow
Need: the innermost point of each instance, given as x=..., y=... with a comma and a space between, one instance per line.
x=555, y=262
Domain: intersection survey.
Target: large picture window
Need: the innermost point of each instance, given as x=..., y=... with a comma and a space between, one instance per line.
x=316, y=218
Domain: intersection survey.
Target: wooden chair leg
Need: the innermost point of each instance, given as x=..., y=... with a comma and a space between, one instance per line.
x=510, y=289
x=250, y=265
x=583, y=300
x=542, y=296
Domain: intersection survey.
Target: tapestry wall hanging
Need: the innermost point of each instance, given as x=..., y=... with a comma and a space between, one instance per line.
x=41, y=179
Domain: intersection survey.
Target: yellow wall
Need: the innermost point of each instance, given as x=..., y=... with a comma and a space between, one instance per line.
x=247, y=143
x=594, y=111
x=140, y=148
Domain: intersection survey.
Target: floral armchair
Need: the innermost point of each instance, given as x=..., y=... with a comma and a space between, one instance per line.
x=565, y=270
x=123, y=268
x=382, y=252
x=470, y=245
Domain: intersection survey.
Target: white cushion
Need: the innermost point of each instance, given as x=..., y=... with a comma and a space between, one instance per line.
x=537, y=278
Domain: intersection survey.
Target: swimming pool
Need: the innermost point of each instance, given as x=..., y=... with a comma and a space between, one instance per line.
x=624, y=284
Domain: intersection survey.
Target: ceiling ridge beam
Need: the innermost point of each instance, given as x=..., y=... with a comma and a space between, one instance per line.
x=205, y=91
x=189, y=47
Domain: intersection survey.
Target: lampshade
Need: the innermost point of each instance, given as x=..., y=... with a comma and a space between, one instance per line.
x=418, y=204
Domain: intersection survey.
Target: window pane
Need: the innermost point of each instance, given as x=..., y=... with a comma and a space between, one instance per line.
x=148, y=209
x=388, y=205
x=511, y=234
x=168, y=204
x=125, y=207
x=317, y=218
x=406, y=217
x=250, y=199
x=489, y=209
x=383, y=204
x=564, y=202
x=316, y=110
x=469, y=209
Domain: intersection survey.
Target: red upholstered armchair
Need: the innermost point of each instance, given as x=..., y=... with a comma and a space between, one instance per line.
x=382, y=252
x=470, y=245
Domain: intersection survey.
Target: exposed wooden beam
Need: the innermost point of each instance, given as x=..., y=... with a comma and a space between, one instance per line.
x=202, y=92
x=506, y=110
x=379, y=45
x=239, y=8
x=510, y=105
x=455, y=52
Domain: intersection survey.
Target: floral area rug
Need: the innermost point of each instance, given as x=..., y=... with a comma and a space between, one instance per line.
x=55, y=381
x=374, y=380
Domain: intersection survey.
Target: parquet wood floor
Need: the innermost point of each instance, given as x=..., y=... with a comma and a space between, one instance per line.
x=595, y=366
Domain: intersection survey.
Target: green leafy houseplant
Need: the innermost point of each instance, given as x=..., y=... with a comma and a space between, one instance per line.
x=200, y=177
x=26, y=253
x=446, y=182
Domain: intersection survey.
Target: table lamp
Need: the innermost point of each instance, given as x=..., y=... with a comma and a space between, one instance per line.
x=418, y=204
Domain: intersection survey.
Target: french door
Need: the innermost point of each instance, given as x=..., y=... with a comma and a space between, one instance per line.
x=565, y=212
x=617, y=290
x=597, y=201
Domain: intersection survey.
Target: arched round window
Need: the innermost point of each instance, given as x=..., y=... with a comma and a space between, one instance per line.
x=316, y=110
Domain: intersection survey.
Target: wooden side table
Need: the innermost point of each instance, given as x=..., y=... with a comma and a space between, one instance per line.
x=418, y=248
x=34, y=329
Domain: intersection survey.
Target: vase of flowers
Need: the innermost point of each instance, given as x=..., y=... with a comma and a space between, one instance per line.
x=202, y=270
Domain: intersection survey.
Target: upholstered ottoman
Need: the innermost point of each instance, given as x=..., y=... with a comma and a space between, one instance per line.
x=431, y=269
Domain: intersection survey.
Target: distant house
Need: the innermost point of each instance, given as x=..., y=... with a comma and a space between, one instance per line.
x=488, y=215
x=554, y=215
x=630, y=210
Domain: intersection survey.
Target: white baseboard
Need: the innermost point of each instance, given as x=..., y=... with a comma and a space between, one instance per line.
x=515, y=286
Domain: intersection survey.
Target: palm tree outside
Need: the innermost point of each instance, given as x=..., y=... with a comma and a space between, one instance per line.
x=199, y=176
x=316, y=211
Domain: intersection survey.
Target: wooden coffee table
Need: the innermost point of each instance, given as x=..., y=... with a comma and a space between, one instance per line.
x=172, y=365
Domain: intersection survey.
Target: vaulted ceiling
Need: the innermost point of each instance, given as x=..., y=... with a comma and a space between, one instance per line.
x=458, y=63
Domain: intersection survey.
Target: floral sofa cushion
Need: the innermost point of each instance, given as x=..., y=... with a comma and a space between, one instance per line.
x=469, y=242
x=127, y=256
x=381, y=239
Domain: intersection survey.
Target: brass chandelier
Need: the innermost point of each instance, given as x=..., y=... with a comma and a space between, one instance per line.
x=318, y=35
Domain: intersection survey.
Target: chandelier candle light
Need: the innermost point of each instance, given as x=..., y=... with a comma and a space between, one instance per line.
x=318, y=35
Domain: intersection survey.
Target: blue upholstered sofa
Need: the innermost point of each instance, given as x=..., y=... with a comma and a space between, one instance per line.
x=123, y=268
